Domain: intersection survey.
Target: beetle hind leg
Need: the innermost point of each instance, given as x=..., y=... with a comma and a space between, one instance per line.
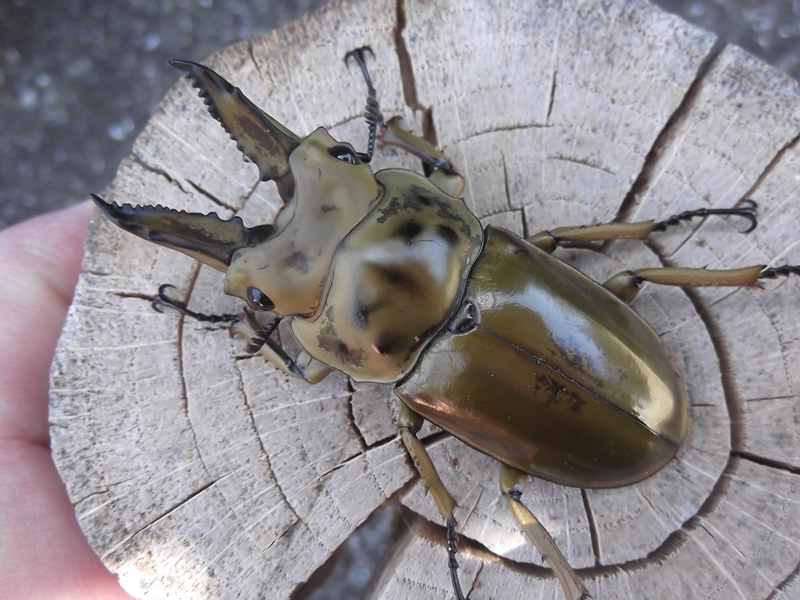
x=410, y=423
x=511, y=481
x=626, y=285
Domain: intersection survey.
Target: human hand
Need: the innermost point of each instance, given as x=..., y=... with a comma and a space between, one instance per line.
x=43, y=552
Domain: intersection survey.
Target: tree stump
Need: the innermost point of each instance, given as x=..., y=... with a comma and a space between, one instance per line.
x=199, y=473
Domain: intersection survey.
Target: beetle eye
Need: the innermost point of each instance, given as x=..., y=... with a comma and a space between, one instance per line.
x=258, y=300
x=344, y=154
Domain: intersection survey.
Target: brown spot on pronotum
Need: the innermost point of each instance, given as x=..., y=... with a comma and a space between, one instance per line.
x=408, y=231
x=447, y=234
x=299, y=262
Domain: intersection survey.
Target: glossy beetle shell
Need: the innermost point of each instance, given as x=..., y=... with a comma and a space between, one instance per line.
x=559, y=379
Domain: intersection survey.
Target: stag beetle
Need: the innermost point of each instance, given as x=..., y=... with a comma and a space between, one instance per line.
x=389, y=278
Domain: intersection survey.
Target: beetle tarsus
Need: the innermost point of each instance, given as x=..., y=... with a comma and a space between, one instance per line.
x=452, y=563
x=161, y=299
x=747, y=211
x=261, y=335
x=782, y=271
x=372, y=111
x=288, y=362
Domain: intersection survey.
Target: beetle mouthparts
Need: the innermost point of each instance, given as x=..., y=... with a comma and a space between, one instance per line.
x=207, y=238
x=259, y=137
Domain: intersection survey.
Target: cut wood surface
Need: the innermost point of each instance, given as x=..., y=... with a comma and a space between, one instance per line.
x=198, y=473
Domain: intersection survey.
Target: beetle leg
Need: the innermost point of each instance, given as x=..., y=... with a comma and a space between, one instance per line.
x=372, y=112
x=627, y=284
x=511, y=481
x=410, y=423
x=444, y=175
x=258, y=340
x=550, y=240
x=161, y=299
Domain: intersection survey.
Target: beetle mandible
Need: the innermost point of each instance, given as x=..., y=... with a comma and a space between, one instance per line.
x=389, y=278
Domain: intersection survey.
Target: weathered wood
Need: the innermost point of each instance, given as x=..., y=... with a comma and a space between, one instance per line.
x=201, y=475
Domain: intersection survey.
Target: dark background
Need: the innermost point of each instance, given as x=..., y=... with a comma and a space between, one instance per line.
x=80, y=78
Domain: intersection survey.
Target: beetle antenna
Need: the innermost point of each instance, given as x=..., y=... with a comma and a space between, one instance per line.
x=161, y=299
x=372, y=112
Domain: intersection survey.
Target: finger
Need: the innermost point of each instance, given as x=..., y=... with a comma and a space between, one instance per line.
x=43, y=553
x=39, y=264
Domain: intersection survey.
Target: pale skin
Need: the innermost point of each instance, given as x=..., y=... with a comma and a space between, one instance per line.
x=43, y=553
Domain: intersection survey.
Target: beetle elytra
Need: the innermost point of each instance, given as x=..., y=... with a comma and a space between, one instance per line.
x=389, y=278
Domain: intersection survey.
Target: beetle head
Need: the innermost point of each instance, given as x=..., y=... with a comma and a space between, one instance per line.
x=326, y=190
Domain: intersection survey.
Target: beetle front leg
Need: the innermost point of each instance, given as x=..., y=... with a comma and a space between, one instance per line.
x=410, y=423
x=392, y=133
x=511, y=481
x=444, y=175
x=259, y=341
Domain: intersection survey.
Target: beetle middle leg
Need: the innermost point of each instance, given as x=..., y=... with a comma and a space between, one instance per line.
x=640, y=230
x=410, y=423
x=511, y=481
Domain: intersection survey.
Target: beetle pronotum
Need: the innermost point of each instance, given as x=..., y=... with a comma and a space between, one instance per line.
x=507, y=348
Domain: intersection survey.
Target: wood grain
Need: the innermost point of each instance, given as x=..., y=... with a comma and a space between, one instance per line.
x=198, y=472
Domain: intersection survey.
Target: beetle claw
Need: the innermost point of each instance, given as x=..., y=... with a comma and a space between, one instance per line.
x=358, y=56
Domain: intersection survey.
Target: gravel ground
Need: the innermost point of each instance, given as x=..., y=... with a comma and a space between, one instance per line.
x=80, y=78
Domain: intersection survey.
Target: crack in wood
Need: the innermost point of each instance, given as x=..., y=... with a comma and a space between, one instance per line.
x=264, y=452
x=475, y=579
x=408, y=80
x=251, y=54
x=505, y=181
x=552, y=96
x=500, y=129
x=592, y=527
x=404, y=58
x=107, y=490
x=181, y=373
x=199, y=189
x=771, y=165
x=582, y=161
x=351, y=418
x=165, y=514
x=176, y=181
x=346, y=461
x=158, y=171
x=772, y=398
x=661, y=142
